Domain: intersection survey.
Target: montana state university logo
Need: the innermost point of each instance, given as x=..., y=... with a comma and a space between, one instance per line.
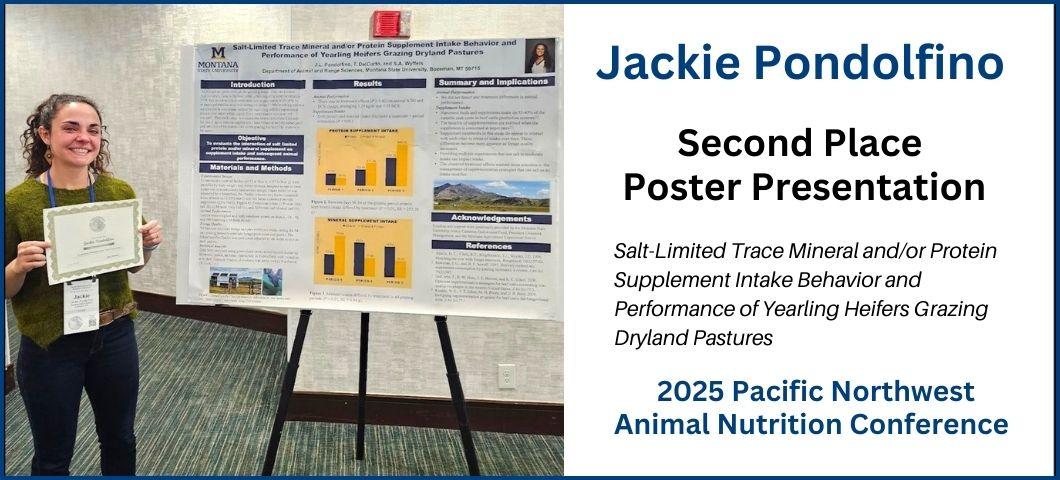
x=217, y=63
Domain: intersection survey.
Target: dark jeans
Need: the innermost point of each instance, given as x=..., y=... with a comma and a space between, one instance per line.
x=106, y=364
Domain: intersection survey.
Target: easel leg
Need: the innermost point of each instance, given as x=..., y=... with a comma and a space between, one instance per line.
x=285, y=392
x=362, y=384
x=457, y=392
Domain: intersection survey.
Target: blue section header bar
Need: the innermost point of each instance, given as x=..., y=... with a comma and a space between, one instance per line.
x=508, y=218
x=258, y=168
x=491, y=246
x=377, y=83
x=495, y=82
x=253, y=84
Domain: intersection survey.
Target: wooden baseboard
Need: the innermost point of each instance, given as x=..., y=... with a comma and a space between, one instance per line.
x=9, y=379
x=483, y=415
x=258, y=320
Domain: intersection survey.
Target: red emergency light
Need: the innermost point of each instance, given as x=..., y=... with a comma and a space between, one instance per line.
x=389, y=23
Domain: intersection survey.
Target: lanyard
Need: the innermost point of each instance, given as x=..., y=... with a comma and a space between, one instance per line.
x=51, y=191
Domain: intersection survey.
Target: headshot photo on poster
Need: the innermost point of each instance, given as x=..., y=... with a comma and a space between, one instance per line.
x=540, y=55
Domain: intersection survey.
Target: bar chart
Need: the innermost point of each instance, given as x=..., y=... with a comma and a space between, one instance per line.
x=364, y=161
x=371, y=252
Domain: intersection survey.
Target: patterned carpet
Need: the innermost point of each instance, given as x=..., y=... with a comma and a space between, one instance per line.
x=208, y=395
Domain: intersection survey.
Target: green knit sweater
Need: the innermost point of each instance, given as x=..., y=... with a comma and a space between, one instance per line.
x=38, y=306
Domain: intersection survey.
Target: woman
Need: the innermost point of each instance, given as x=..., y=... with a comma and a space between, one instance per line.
x=541, y=61
x=68, y=158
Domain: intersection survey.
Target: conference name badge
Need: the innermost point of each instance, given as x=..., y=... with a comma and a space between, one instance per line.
x=81, y=306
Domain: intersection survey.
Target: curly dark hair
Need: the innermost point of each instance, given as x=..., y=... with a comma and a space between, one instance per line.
x=34, y=150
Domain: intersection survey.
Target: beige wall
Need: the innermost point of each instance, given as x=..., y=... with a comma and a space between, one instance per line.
x=126, y=57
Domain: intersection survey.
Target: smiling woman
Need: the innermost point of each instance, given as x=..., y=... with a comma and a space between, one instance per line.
x=67, y=165
x=79, y=137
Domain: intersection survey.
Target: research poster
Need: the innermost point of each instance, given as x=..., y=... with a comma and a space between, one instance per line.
x=809, y=240
x=418, y=176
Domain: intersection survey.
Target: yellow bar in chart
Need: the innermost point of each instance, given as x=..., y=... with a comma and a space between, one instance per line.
x=369, y=266
x=340, y=254
x=402, y=164
x=369, y=172
x=399, y=269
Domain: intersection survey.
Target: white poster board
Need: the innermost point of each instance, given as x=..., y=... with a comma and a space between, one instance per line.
x=400, y=176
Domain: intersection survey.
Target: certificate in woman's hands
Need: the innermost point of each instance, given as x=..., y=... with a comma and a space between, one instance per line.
x=92, y=238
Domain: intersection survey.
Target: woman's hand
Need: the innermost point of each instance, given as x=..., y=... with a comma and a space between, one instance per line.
x=152, y=234
x=30, y=256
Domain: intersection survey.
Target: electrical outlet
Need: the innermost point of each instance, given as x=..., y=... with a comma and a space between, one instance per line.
x=506, y=376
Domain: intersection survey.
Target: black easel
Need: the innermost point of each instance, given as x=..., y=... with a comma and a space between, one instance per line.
x=362, y=386
x=285, y=392
x=455, y=390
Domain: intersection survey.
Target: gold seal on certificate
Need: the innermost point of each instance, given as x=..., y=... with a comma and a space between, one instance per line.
x=92, y=238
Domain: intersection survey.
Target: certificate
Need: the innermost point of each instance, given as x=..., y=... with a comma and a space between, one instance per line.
x=92, y=238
